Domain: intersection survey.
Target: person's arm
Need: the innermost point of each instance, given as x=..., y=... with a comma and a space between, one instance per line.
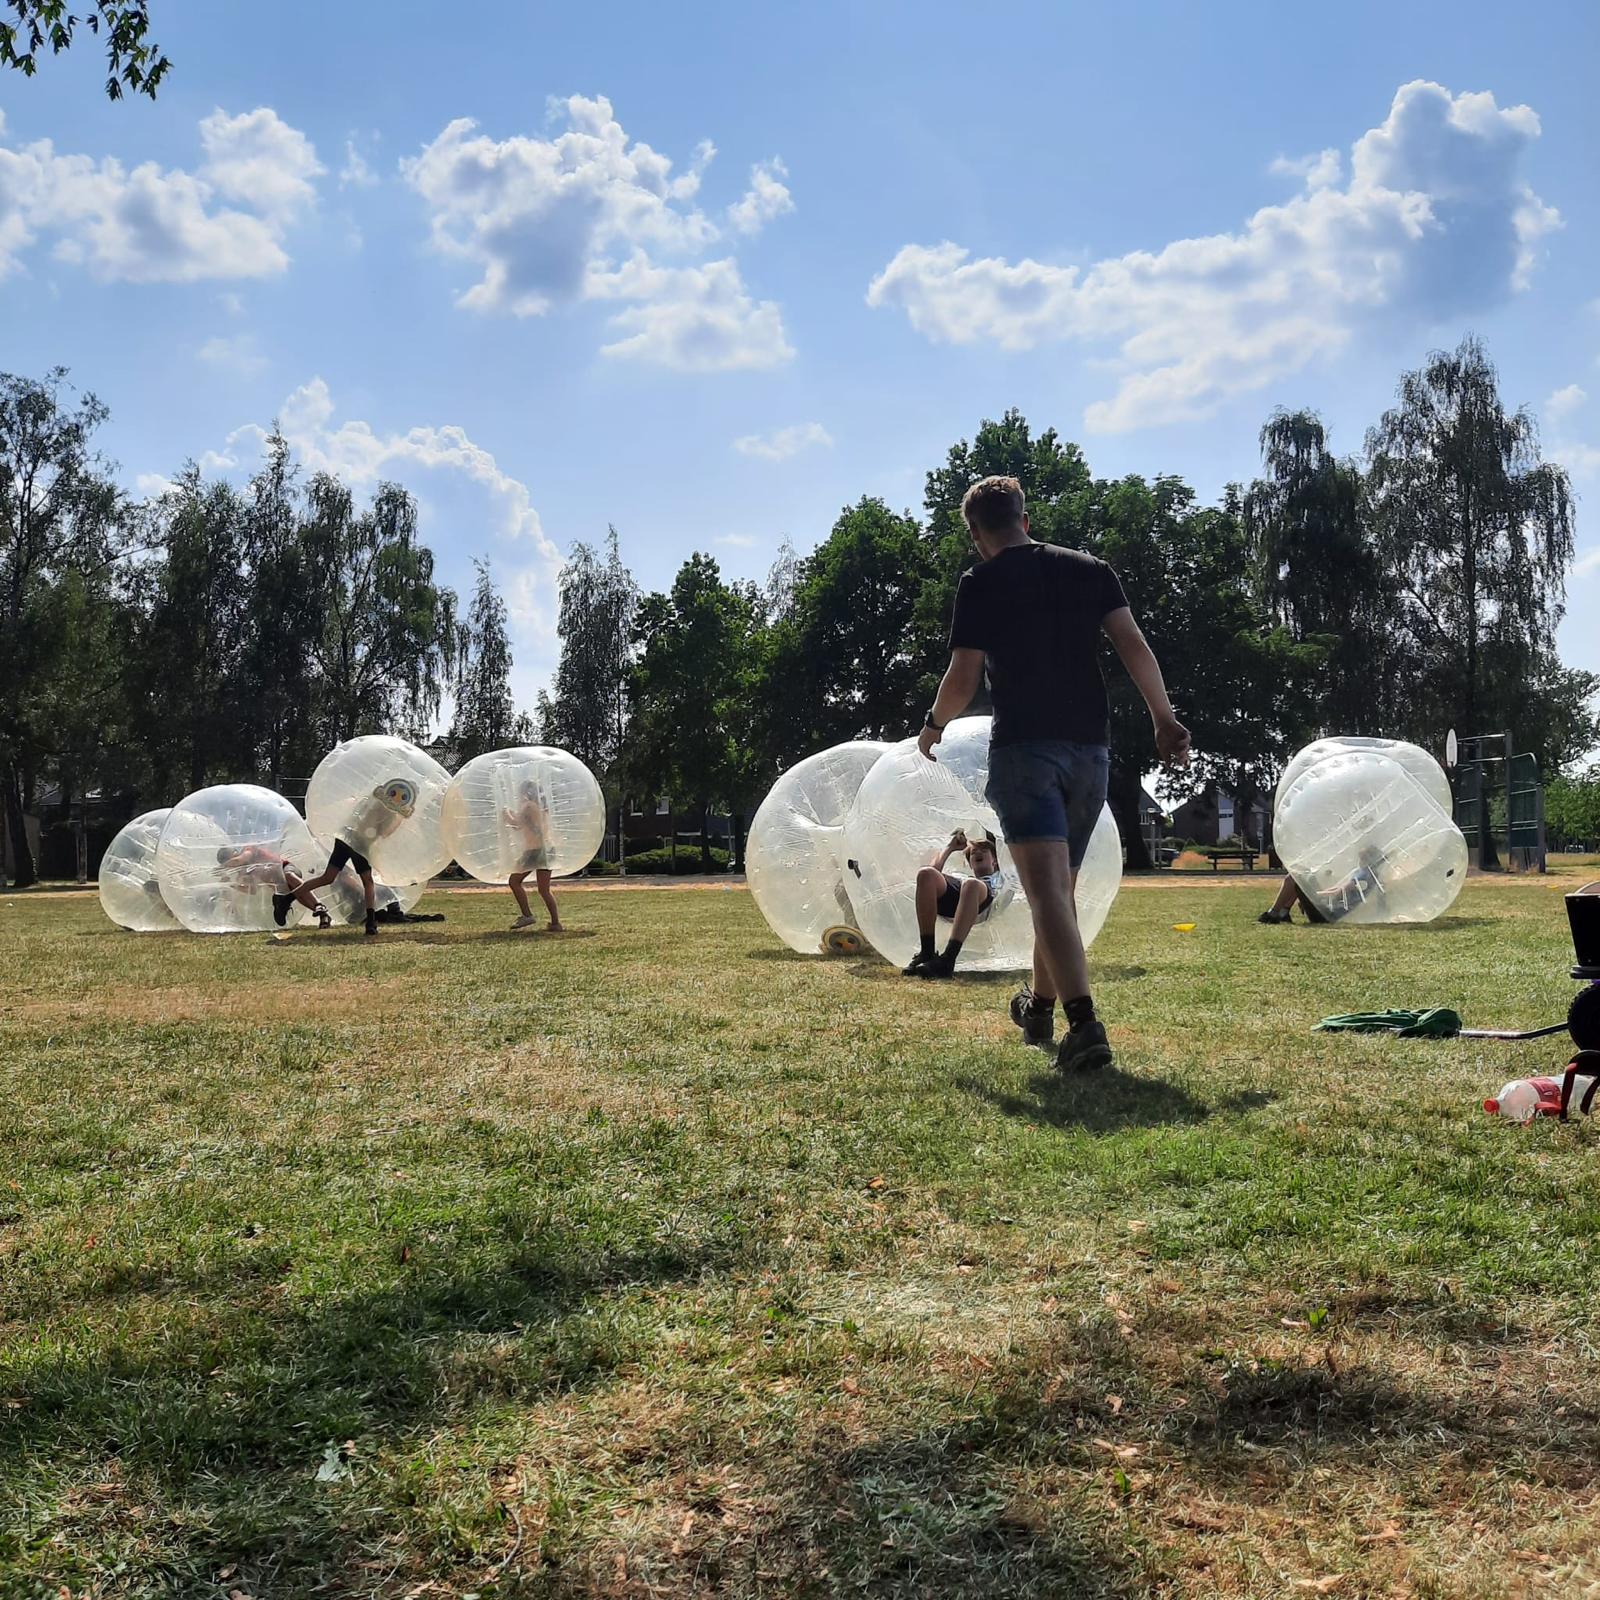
x=1172, y=738
x=957, y=689
x=958, y=841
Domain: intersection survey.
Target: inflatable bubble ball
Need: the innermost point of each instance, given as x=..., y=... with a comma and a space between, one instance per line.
x=130, y=893
x=1367, y=842
x=1412, y=757
x=222, y=854
x=523, y=810
x=794, y=854
x=905, y=812
x=385, y=798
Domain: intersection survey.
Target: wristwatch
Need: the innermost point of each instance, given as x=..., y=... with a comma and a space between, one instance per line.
x=928, y=722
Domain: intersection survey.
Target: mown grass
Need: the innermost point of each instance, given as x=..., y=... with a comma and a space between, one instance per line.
x=654, y=1260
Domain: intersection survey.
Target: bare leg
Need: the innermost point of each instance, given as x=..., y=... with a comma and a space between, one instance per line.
x=1045, y=868
x=297, y=887
x=1043, y=985
x=520, y=894
x=1288, y=893
x=542, y=878
x=930, y=885
x=369, y=892
x=968, y=905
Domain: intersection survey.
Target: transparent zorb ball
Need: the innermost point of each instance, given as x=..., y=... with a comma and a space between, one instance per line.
x=794, y=856
x=524, y=810
x=385, y=798
x=225, y=851
x=906, y=810
x=130, y=891
x=1368, y=842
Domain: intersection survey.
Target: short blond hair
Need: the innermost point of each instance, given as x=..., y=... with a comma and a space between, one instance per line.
x=994, y=505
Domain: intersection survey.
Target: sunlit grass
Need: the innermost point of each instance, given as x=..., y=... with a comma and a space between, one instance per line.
x=653, y=1259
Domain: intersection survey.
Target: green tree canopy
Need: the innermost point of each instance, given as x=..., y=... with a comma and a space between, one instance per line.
x=1475, y=532
x=689, y=691
x=485, y=714
x=133, y=59
x=586, y=711
x=61, y=516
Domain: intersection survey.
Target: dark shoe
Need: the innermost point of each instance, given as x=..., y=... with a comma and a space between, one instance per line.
x=941, y=966
x=280, y=908
x=1085, y=1049
x=324, y=919
x=913, y=968
x=1038, y=1026
x=372, y=922
x=1271, y=917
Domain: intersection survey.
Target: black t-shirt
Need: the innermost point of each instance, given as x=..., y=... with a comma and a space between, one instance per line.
x=1035, y=611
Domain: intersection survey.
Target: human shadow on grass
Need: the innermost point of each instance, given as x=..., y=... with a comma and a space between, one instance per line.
x=1098, y=1102
x=872, y=970
x=230, y=1419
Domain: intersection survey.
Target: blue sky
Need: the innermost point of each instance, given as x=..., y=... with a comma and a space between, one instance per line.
x=507, y=267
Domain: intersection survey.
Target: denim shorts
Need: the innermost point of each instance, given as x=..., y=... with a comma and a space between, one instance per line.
x=1045, y=789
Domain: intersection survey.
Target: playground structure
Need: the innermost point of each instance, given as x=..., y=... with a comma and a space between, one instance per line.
x=1499, y=801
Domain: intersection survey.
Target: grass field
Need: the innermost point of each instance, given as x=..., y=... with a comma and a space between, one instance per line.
x=655, y=1260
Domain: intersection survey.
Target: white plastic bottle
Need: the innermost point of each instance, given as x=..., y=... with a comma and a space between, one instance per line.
x=1523, y=1099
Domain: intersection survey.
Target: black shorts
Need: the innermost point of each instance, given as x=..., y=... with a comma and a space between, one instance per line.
x=342, y=853
x=950, y=899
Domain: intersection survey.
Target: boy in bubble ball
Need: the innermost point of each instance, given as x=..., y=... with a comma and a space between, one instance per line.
x=1033, y=615
x=376, y=818
x=963, y=902
x=531, y=818
x=252, y=866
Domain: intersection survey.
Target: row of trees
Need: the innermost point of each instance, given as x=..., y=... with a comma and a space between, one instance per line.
x=213, y=632
x=1403, y=592
x=223, y=632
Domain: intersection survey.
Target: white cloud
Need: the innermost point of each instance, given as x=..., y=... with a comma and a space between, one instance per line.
x=1588, y=562
x=147, y=225
x=1431, y=221
x=697, y=319
x=767, y=197
x=359, y=455
x=260, y=161
x=238, y=354
x=355, y=173
x=1564, y=402
x=783, y=442
x=1320, y=171
x=231, y=303
x=738, y=541
x=152, y=485
x=589, y=215
x=1580, y=459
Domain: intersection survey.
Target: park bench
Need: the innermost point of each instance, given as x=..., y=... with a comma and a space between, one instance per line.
x=1237, y=853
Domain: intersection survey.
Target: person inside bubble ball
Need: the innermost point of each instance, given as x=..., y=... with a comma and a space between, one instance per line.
x=389, y=804
x=963, y=902
x=249, y=867
x=531, y=818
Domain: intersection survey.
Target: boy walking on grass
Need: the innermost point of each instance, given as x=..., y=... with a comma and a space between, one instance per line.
x=531, y=819
x=379, y=815
x=1033, y=614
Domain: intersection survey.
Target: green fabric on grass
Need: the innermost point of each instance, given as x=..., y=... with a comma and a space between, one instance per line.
x=1438, y=1022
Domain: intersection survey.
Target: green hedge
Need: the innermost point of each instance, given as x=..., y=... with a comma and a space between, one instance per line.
x=660, y=861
